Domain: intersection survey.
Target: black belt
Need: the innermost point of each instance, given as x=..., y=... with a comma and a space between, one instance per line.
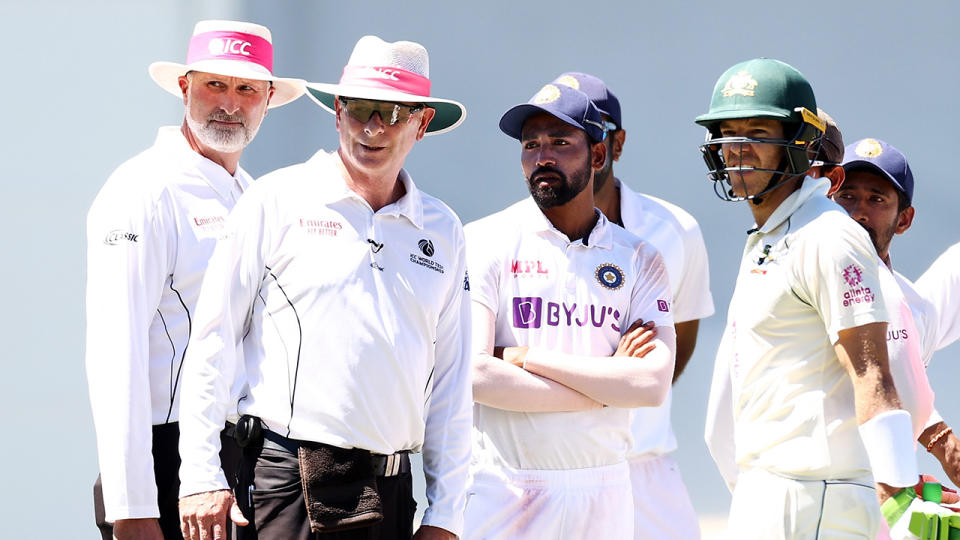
x=383, y=465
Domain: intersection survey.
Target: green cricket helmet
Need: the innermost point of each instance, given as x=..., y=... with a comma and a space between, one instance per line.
x=762, y=88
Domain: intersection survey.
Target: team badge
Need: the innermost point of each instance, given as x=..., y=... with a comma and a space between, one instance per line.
x=569, y=80
x=426, y=247
x=547, y=94
x=610, y=276
x=869, y=148
x=741, y=84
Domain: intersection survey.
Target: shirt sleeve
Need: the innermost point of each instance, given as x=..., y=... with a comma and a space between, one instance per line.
x=940, y=285
x=837, y=273
x=718, y=430
x=651, y=299
x=129, y=258
x=214, y=360
x=484, y=269
x=446, y=446
x=693, y=299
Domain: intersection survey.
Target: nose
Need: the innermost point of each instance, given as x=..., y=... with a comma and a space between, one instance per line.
x=545, y=157
x=230, y=104
x=374, y=125
x=857, y=210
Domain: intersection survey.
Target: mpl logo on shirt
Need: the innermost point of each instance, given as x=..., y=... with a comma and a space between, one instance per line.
x=527, y=268
x=533, y=312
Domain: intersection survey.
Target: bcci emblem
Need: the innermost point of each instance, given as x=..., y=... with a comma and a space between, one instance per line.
x=547, y=94
x=610, y=276
x=869, y=148
x=568, y=80
x=426, y=247
x=741, y=84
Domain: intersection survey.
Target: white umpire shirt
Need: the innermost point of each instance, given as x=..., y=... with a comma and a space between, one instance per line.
x=676, y=235
x=572, y=297
x=940, y=285
x=807, y=274
x=354, y=326
x=150, y=233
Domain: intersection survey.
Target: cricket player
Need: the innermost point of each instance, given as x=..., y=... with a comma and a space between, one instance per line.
x=342, y=293
x=665, y=512
x=813, y=404
x=556, y=290
x=150, y=233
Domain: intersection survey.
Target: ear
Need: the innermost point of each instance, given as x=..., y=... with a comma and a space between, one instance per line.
x=598, y=155
x=270, y=91
x=184, y=86
x=904, y=220
x=619, y=137
x=836, y=175
x=337, y=111
x=426, y=117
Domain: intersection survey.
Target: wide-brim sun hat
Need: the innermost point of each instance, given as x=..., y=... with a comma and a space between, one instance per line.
x=383, y=71
x=233, y=49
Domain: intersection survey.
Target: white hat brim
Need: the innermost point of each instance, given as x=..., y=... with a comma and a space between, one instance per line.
x=167, y=74
x=449, y=113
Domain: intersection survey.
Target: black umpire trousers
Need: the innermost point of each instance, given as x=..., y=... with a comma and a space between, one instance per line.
x=270, y=494
x=166, y=468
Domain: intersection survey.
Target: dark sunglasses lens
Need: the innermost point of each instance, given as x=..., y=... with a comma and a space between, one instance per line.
x=390, y=113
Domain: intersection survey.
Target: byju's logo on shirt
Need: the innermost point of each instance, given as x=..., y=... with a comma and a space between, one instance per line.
x=530, y=312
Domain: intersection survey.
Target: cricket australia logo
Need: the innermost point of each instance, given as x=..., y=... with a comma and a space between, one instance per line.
x=610, y=276
x=741, y=84
x=852, y=275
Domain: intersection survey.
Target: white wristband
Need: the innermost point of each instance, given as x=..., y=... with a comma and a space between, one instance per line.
x=534, y=353
x=888, y=438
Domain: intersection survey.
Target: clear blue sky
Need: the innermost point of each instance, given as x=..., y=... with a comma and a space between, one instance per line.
x=76, y=88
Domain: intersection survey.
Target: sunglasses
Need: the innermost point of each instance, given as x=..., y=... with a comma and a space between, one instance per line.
x=390, y=112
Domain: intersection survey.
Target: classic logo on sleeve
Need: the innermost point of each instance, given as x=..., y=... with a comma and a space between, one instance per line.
x=856, y=294
x=610, y=276
x=533, y=312
x=116, y=236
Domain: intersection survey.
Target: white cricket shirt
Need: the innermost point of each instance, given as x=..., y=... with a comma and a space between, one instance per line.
x=940, y=285
x=353, y=326
x=808, y=273
x=572, y=297
x=909, y=346
x=676, y=235
x=150, y=233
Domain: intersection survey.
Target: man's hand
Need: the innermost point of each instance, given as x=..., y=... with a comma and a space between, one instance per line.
x=636, y=341
x=137, y=529
x=203, y=516
x=946, y=449
x=511, y=355
x=426, y=532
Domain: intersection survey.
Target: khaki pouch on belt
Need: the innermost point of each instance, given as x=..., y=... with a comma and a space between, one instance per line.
x=339, y=488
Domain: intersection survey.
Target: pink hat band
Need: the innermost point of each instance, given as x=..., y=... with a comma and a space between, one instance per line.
x=386, y=78
x=231, y=46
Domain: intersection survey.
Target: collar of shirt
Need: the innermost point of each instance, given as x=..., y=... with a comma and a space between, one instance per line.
x=534, y=220
x=629, y=213
x=171, y=139
x=334, y=188
x=810, y=188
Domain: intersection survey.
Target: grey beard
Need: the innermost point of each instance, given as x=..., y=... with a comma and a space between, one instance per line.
x=221, y=140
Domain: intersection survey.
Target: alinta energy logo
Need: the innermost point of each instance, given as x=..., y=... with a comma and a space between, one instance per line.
x=533, y=312
x=853, y=275
x=116, y=236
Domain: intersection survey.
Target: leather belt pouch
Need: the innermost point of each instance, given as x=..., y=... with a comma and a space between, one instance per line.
x=339, y=487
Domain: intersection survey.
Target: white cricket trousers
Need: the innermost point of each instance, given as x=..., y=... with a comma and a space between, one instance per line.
x=661, y=506
x=770, y=507
x=513, y=504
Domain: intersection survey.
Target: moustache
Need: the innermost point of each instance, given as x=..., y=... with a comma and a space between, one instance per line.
x=545, y=169
x=222, y=116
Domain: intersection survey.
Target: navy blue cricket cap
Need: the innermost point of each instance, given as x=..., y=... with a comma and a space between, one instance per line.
x=878, y=157
x=570, y=105
x=596, y=90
